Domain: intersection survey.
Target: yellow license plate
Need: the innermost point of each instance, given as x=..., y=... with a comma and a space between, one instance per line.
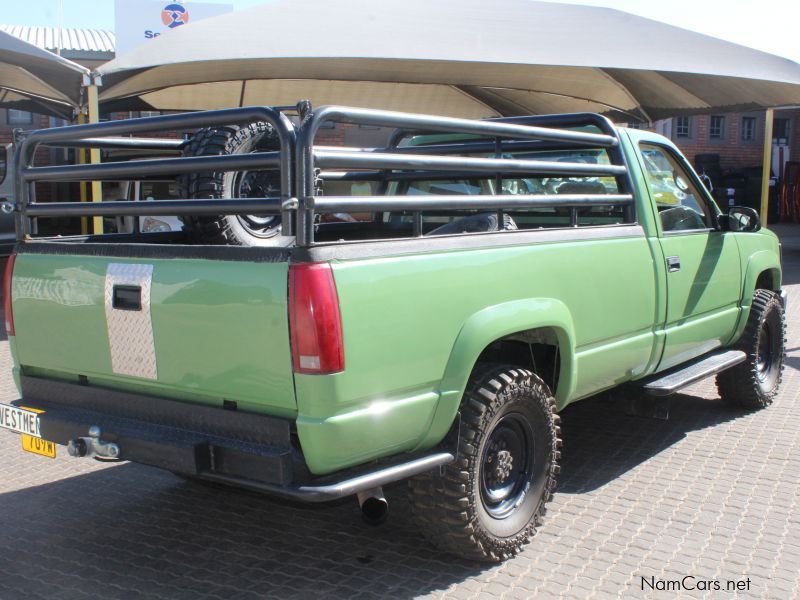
x=38, y=446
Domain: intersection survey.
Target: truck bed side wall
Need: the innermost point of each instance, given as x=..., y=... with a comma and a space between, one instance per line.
x=406, y=313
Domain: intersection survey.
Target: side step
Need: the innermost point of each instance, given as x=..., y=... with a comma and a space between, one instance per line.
x=682, y=376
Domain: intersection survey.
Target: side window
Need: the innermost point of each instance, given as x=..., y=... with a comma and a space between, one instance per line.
x=680, y=204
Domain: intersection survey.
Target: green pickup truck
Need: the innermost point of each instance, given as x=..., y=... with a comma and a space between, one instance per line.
x=417, y=312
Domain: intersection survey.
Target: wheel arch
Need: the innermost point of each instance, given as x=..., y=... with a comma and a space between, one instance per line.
x=763, y=271
x=528, y=319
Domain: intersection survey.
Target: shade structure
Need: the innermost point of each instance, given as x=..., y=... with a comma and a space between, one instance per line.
x=468, y=58
x=34, y=79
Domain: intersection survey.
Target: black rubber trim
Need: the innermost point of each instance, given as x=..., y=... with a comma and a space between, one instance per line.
x=463, y=241
x=155, y=251
x=332, y=251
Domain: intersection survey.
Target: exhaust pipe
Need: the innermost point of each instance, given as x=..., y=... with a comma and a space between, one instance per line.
x=374, y=507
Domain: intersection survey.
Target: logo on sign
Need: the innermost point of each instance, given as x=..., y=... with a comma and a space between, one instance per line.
x=174, y=15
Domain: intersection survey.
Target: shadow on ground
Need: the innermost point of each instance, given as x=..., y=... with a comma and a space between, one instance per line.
x=128, y=528
x=602, y=440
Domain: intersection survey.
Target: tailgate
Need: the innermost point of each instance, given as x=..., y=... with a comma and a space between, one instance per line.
x=204, y=331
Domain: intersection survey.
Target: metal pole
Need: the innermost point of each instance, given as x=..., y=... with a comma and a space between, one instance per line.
x=767, y=165
x=81, y=154
x=94, y=153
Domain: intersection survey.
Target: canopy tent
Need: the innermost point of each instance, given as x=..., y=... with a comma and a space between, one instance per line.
x=466, y=58
x=37, y=80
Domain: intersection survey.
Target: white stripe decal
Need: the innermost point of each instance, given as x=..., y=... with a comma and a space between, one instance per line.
x=130, y=332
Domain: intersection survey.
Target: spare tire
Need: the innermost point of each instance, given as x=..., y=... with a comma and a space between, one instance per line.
x=239, y=230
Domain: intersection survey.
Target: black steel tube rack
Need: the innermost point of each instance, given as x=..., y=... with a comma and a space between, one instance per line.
x=300, y=163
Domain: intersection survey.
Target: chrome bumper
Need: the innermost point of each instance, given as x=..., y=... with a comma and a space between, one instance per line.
x=784, y=299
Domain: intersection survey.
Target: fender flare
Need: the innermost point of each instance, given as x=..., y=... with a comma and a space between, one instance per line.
x=758, y=263
x=488, y=325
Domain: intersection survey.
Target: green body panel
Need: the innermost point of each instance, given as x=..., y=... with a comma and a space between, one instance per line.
x=413, y=324
x=220, y=328
x=402, y=318
x=703, y=297
x=487, y=325
x=760, y=253
x=647, y=216
x=708, y=300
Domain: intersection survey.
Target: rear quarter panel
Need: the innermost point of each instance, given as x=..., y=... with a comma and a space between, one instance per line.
x=402, y=316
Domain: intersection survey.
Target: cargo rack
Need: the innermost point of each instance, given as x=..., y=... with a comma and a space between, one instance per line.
x=302, y=164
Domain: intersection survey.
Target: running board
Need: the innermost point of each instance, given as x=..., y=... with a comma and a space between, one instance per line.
x=680, y=377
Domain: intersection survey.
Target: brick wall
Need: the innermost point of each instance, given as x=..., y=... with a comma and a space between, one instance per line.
x=733, y=151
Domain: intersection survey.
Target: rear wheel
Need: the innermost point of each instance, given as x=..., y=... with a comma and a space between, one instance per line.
x=755, y=382
x=240, y=230
x=487, y=504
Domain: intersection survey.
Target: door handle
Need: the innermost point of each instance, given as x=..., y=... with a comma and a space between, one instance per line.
x=127, y=297
x=673, y=263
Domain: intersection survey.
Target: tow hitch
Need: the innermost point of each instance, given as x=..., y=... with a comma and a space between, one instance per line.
x=93, y=446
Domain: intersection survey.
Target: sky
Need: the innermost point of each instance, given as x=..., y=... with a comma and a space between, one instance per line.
x=769, y=25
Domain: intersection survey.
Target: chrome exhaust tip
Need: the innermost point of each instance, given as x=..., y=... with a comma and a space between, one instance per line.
x=374, y=507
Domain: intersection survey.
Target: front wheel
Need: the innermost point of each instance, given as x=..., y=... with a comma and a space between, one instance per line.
x=487, y=504
x=755, y=382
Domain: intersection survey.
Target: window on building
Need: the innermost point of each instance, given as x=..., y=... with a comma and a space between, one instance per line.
x=639, y=125
x=19, y=117
x=327, y=125
x=748, y=129
x=716, y=127
x=780, y=129
x=683, y=127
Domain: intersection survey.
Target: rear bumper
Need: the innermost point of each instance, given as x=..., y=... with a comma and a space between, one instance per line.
x=231, y=447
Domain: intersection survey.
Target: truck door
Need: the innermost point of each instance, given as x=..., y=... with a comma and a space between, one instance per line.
x=703, y=268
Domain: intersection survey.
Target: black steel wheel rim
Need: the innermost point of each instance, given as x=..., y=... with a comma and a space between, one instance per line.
x=766, y=352
x=257, y=184
x=507, y=465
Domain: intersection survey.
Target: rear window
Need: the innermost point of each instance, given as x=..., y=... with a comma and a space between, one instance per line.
x=528, y=218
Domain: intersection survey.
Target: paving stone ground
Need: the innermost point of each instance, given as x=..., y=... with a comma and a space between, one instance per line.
x=712, y=493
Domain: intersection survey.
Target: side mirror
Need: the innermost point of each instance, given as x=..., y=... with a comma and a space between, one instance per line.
x=739, y=218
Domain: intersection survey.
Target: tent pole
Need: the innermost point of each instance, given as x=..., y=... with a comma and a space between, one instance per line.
x=766, y=165
x=94, y=153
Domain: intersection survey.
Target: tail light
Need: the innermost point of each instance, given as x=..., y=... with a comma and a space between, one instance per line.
x=7, y=294
x=314, y=320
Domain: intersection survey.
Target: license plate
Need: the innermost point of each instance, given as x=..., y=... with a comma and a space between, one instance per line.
x=38, y=446
x=20, y=420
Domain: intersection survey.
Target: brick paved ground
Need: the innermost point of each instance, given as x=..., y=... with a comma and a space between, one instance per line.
x=713, y=493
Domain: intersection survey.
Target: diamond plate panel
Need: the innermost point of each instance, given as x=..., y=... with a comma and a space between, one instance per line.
x=130, y=332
